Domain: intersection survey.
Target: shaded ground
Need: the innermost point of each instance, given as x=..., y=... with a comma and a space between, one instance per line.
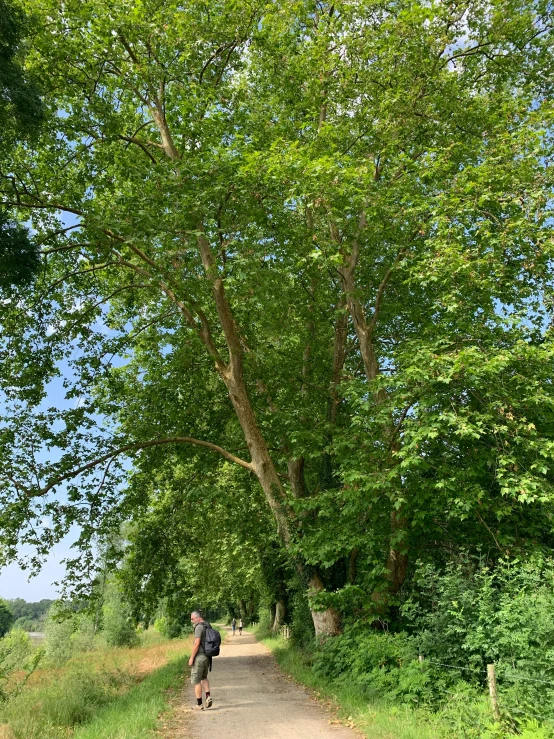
x=252, y=700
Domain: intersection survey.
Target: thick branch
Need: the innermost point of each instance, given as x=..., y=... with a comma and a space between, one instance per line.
x=139, y=143
x=223, y=308
x=381, y=292
x=136, y=447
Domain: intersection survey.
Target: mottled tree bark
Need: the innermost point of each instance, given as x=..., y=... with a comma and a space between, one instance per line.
x=279, y=618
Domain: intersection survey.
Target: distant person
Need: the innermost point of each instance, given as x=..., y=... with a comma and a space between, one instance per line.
x=240, y=627
x=234, y=625
x=199, y=662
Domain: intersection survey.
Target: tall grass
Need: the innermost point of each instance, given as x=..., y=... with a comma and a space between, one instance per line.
x=135, y=714
x=113, y=693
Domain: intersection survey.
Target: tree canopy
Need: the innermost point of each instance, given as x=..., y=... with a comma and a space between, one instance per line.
x=309, y=242
x=20, y=115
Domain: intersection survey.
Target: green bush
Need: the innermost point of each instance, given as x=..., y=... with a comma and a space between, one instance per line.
x=471, y=614
x=17, y=655
x=119, y=629
x=383, y=664
x=58, y=628
x=302, y=625
x=84, y=637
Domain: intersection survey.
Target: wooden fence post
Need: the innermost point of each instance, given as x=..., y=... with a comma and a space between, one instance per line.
x=420, y=658
x=491, y=675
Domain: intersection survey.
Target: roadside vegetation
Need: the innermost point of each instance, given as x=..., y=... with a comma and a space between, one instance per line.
x=95, y=676
x=376, y=680
x=277, y=332
x=105, y=693
x=427, y=676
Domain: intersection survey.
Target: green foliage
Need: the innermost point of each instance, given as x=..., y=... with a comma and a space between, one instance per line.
x=397, y=195
x=67, y=633
x=300, y=617
x=19, y=98
x=471, y=615
x=6, y=618
x=118, y=626
x=210, y=556
x=29, y=616
x=383, y=664
x=18, y=660
x=19, y=258
x=59, y=628
x=393, y=703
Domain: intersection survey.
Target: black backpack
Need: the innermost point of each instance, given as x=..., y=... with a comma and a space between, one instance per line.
x=212, y=641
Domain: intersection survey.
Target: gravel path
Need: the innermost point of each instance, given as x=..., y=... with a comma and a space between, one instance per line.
x=252, y=700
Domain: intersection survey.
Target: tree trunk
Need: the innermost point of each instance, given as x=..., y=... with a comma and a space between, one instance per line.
x=272, y=612
x=397, y=561
x=352, y=562
x=262, y=464
x=279, y=619
x=327, y=622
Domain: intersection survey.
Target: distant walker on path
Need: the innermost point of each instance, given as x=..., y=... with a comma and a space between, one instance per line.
x=234, y=625
x=199, y=662
x=240, y=627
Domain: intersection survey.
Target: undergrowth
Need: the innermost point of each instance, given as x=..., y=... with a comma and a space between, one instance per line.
x=384, y=705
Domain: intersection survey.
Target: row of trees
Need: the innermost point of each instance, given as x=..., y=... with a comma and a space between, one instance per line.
x=296, y=272
x=29, y=616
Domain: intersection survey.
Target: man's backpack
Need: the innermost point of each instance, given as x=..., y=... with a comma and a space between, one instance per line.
x=212, y=641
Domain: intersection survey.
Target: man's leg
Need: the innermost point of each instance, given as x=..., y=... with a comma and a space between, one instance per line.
x=196, y=679
x=206, y=685
x=198, y=694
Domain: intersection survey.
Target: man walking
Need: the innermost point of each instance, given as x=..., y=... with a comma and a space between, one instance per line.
x=240, y=627
x=199, y=662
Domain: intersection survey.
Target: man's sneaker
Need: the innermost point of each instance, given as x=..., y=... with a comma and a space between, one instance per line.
x=209, y=701
x=198, y=708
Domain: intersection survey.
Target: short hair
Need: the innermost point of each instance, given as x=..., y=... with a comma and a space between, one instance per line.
x=197, y=613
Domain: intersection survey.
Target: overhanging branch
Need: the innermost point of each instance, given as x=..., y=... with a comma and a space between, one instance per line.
x=136, y=447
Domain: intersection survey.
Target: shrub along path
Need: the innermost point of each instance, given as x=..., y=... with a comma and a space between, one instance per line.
x=252, y=700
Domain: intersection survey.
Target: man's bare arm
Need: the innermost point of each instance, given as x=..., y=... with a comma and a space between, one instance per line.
x=195, y=648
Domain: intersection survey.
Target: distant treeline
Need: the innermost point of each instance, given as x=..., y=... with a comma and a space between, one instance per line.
x=29, y=616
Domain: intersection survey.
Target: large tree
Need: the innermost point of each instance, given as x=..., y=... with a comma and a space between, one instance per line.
x=316, y=236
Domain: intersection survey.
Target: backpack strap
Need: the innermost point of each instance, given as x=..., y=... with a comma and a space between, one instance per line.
x=203, y=637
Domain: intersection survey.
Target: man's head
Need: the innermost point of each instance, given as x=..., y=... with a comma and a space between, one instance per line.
x=196, y=617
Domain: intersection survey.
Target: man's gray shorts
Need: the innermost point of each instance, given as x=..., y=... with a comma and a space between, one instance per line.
x=200, y=669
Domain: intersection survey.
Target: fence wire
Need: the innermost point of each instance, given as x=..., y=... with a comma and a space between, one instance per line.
x=506, y=675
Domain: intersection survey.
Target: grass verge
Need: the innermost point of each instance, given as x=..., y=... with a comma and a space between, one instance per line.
x=135, y=715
